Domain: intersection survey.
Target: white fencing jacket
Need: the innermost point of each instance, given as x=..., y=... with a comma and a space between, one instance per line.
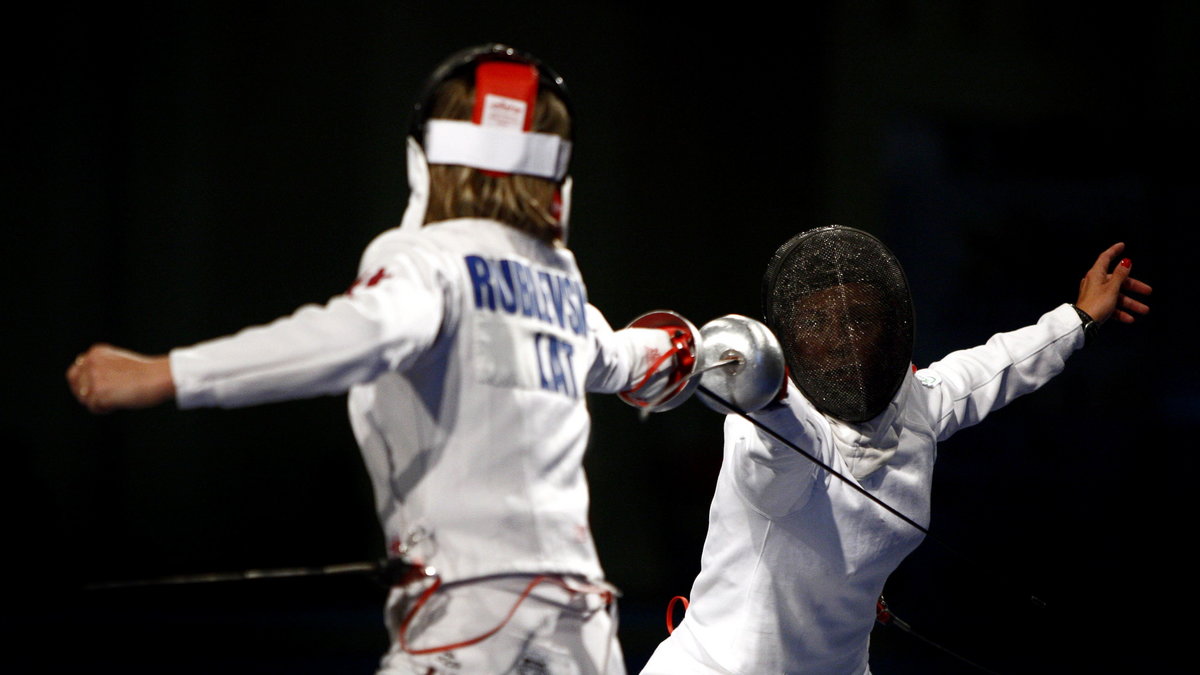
x=795, y=559
x=467, y=348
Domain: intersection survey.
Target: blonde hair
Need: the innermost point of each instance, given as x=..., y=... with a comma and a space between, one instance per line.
x=523, y=202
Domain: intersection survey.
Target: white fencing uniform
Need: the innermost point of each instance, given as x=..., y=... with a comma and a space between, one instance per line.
x=795, y=559
x=467, y=347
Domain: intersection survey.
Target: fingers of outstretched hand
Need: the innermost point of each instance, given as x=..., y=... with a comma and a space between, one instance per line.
x=1104, y=260
x=1121, y=272
x=75, y=381
x=1132, y=285
x=80, y=380
x=1127, y=307
x=1134, y=305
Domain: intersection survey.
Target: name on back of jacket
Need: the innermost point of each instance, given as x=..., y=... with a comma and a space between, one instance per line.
x=512, y=287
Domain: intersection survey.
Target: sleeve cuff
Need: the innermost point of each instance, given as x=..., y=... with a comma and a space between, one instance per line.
x=1067, y=322
x=190, y=389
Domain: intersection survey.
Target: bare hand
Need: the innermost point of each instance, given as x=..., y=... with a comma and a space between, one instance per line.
x=106, y=378
x=1102, y=294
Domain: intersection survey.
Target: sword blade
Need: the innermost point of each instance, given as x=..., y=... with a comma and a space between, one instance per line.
x=244, y=575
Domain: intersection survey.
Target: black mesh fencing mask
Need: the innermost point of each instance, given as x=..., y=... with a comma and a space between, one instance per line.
x=839, y=303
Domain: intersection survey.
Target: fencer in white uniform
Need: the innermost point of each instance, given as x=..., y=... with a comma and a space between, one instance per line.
x=467, y=363
x=467, y=347
x=795, y=558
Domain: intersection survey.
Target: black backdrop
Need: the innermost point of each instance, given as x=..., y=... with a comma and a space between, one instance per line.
x=182, y=170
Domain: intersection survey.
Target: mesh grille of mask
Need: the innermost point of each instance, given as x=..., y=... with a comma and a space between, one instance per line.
x=839, y=303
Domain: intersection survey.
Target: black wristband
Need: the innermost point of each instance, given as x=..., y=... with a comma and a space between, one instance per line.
x=1090, y=327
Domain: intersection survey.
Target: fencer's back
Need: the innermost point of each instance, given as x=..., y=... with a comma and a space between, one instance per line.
x=475, y=445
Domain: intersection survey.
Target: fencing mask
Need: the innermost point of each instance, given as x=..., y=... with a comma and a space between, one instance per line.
x=839, y=302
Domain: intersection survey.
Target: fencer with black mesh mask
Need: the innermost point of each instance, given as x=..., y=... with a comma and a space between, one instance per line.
x=796, y=558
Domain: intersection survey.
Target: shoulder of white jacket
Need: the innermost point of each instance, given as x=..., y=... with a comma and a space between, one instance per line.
x=393, y=241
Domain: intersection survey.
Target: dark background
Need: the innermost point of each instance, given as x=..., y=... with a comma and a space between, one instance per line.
x=179, y=171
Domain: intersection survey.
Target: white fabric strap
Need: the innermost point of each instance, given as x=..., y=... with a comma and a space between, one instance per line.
x=496, y=149
x=418, y=187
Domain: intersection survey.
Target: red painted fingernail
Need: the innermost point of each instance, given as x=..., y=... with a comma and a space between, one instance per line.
x=1126, y=262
